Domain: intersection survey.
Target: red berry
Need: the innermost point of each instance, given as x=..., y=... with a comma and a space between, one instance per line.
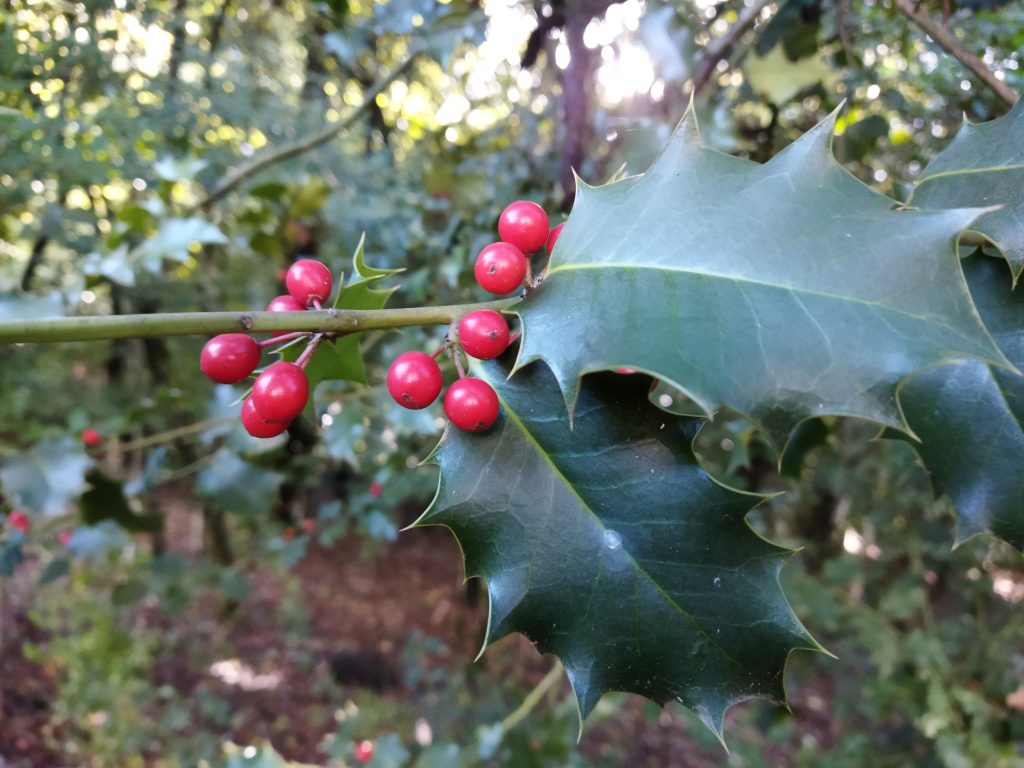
x=471, y=404
x=288, y=533
x=280, y=392
x=284, y=304
x=226, y=359
x=500, y=268
x=308, y=279
x=376, y=489
x=309, y=525
x=364, y=751
x=414, y=380
x=19, y=520
x=553, y=237
x=91, y=438
x=525, y=225
x=256, y=426
x=483, y=334
x=64, y=537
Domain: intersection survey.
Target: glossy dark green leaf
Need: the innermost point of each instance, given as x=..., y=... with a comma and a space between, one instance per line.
x=784, y=291
x=11, y=554
x=56, y=569
x=609, y=546
x=105, y=500
x=983, y=166
x=970, y=417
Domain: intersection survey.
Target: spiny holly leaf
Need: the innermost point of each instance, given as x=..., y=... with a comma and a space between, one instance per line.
x=341, y=358
x=785, y=290
x=982, y=167
x=970, y=417
x=609, y=546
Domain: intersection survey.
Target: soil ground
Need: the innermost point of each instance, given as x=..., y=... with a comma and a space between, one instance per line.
x=359, y=611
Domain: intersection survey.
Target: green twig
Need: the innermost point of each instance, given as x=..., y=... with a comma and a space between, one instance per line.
x=330, y=321
x=233, y=178
x=532, y=699
x=945, y=40
x=168, y=436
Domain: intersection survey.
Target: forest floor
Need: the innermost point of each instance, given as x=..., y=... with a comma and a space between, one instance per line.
x=342, y=627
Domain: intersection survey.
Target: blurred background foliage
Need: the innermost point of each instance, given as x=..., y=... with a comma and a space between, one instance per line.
x=182, y=586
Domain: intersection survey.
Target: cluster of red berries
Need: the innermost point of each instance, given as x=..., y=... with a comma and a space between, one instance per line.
x=281, y=390
x=524, y=229
x=414, y=378
x=18, y=520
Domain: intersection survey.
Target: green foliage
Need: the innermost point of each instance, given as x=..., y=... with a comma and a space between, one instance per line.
x=974, y=410
x=982, y=167
x=119, y=120
x=609, y=546
x=783, y=291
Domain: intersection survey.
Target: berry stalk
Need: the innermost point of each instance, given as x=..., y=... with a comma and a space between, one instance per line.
x=329, y=321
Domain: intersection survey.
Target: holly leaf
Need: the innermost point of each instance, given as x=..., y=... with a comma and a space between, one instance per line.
x=610, y=547
x=24, y=306
x=983, y=167
x=341, y=358
x=235, y=485
x=46, y=477
x=970, y=417
x=784, y=291
x=105, y=500
x=173, y=239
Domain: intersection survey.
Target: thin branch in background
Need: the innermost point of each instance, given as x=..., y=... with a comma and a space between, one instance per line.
x=33, y=262
x=720, y=49
x=177, y=50
x=843, y=28
x=945, y=40
x=533, y=698
x=216, y=30
x=234, y=177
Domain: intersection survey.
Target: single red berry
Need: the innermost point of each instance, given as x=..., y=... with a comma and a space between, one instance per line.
x=553, y=237
x=309, y=525
x=256, y=426
x=364, y=751
x=19, y=520
x=227, y=359
x=280, y=392
x=308, y=280
x=376, y=489
x=288, y=533
x=414, y=380
x=500, y=268
x=483, y=334
x=91, y=438
x=64, y=537
x=471, y=404
x=525, y=225
x=284, y=304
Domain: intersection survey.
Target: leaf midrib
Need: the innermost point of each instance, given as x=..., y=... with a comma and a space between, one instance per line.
x=961, y=172
x=511, y=414
x=795, y=290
